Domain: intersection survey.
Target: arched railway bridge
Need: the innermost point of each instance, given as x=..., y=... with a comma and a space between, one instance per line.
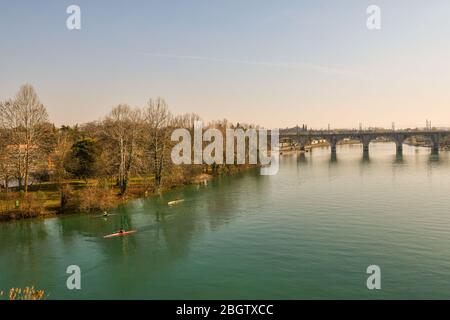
x=334, y=137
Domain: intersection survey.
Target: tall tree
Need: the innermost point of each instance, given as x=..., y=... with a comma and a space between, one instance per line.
x=122, y=128
x=25, y=117
x=65, y=137
x=157, y=123
x=82, y=158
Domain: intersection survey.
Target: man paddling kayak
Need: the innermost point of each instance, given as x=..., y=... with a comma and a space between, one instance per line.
x=120, y=233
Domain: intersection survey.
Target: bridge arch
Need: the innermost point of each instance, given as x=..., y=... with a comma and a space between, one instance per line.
x=397, y=138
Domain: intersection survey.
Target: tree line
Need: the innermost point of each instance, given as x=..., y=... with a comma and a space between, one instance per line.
x=127, y=142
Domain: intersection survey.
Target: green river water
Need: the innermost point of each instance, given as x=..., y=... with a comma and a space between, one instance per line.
x=308, y=232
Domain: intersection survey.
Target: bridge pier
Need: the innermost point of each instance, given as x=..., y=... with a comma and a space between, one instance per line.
x=435, y=142
x=435, y=148
x=333, y=142
x=366, y=155
x=333, y=148
x=398, y=139
x=365, y=148
x=399, y=148
x=365, y=142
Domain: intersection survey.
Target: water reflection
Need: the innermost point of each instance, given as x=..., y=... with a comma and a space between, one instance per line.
x=365, y=157
x=333, y=157
x=434, y=156
x=399, y=159
x=226, y=233
x=301, y=158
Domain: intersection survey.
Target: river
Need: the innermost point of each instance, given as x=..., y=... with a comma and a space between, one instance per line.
x=308, y=232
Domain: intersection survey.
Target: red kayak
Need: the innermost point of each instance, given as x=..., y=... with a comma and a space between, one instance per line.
x=119, y=234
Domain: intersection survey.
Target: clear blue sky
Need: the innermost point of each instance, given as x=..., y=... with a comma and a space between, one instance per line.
x=276, y=63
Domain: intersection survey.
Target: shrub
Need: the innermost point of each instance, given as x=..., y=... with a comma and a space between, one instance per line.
x=88, y=199
x=28, y=293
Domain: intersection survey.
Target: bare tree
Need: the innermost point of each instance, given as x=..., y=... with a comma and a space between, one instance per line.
x=24, y=117
x=157, y=123
x=122, y=128
x=186, y=120
x=64, y=138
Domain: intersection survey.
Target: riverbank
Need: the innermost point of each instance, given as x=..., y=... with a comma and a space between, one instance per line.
x=291, y=150
x=92, y=196
x=51, y=199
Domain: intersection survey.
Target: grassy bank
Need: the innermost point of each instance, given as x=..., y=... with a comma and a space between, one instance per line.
x=51, y=198
x=77, y=196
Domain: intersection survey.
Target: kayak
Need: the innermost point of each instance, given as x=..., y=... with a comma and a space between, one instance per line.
x=119, y=234
x=170, y=203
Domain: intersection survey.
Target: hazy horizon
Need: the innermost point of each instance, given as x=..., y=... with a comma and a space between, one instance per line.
x=277, y=64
